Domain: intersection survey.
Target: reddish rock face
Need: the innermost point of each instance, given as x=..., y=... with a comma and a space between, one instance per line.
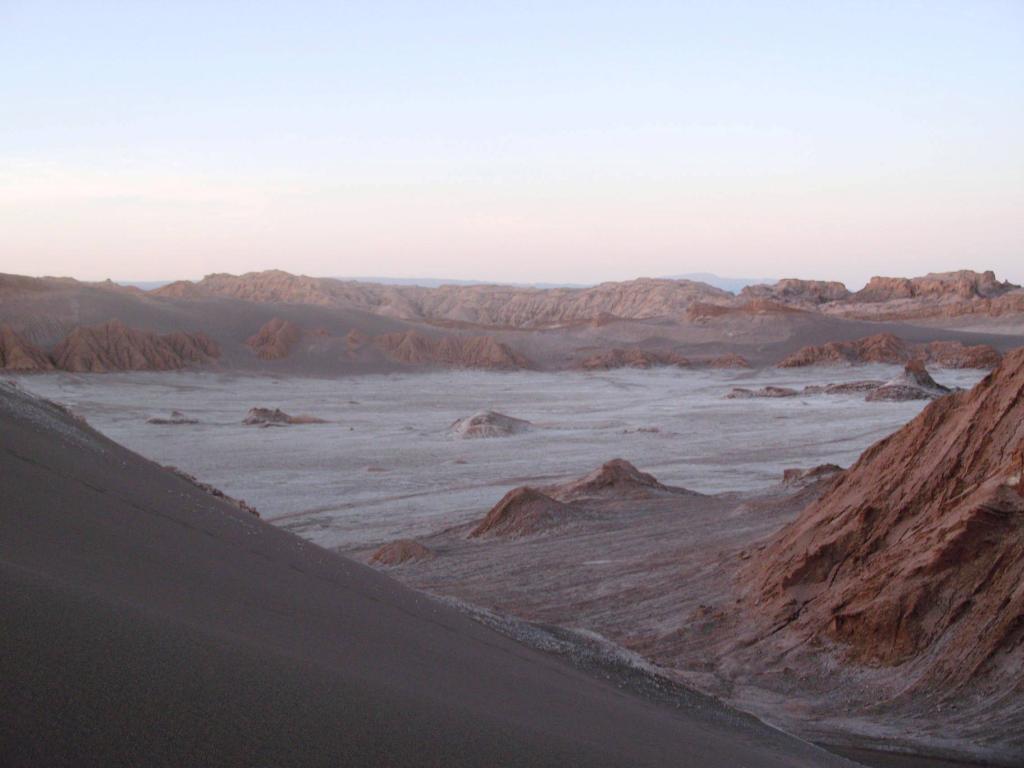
x=16, y=354
x=414, y=348
x=917, y=551
x=964, y=284
x=887, y=348
x=113, y=346
x=798, y=292
x=274, y=341
x=400, y=552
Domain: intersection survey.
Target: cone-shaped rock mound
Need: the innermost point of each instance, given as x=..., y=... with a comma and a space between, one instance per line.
x=616, y=477
x=917, y=552
x=915, y=383
x=521, y=512
x=400, y=552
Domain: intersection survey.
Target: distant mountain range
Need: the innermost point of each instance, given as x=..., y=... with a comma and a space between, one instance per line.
x=731, y=284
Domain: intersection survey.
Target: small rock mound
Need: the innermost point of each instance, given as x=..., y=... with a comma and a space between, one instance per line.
x=730, y=360
x=616, y=477
x=741, y=393
x=275, y=417
x=489, y=424
x=400, y=552
x=176, y=417
x=521, y=512
x=275, y=340
x=16, y=354
x=620, y=357
x=915, y=383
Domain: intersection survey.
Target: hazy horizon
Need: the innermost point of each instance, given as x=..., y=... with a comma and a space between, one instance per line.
x=575, y=143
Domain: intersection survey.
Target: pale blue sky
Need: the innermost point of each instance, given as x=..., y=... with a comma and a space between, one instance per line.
x=522, y=141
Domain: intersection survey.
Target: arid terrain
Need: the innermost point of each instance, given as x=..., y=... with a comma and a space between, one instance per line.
x=282, y=323
x=798, y=502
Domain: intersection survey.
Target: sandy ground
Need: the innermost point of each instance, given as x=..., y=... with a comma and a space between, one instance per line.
x=387, y=466
x=148, y=623
x=649, y=578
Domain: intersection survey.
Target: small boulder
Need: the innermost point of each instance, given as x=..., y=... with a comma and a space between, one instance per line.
x=275, y=417
x=489, y=424
x=176, y=417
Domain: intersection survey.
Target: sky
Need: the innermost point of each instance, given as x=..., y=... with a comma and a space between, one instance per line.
x=521, y=142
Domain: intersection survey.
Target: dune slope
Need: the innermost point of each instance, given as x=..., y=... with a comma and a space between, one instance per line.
x=147, y=622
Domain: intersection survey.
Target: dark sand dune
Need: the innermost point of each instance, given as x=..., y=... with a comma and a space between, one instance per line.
x=146, y=622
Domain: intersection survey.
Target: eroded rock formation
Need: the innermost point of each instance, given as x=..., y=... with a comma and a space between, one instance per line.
x=917, y=552
x=113, y=346
x=415, y=348
x=888, y=348
x=915, y=383
x=275, y=340
x=16, y=354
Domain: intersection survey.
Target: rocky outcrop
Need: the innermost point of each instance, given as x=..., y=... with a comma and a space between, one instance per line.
x=879, y=348
x=18, y=355
x=275, y=340
x=844, y=388
x=619, y=357
x=959, y=285
x=275, y=417
x=915, y=383
x=400, y=552
x=888, y=348
x=701, y=312
x=489, y=424
x=916, y=555
x=742, y=393
x=486, y=352
x=800, y=293
x=726, y=361
x=616, y=478
x=521, y=512
x=176, y=417
x=113, y=346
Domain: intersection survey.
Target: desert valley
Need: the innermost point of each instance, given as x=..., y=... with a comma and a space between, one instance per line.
x=797, y=506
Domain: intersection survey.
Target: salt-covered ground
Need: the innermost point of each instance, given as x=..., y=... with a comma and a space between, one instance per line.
x=386, y=464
